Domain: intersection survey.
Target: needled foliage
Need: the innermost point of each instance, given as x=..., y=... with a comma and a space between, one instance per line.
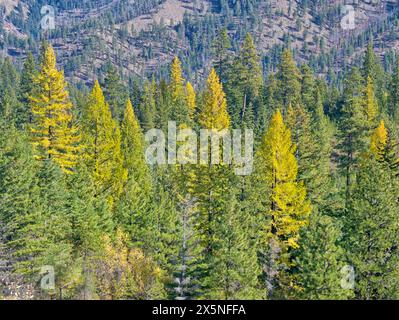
x=101, y=138
x=53, y=132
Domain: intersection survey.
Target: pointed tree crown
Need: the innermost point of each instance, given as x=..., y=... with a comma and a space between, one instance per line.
x=379, y=140
x=176, y=80
x=214, y=113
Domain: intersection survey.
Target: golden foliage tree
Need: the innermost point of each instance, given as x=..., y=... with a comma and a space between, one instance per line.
x=191, y=100
x=123, y=272
x=178, y=107
x=102, y=141
x=53, y=133
x=370, y=104
x=176, y=80
x=137, y=191
x=379, y=141
x=278, y=167
x=214, y=114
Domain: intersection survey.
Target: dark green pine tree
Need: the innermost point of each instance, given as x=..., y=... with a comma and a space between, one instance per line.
x=235, y=269
x=18, y=181
x=352, y=127
x=20, y=202
x=308, y=88
x=9, y=105
x=54, y=224
x=393, y=99
x=299, y=120
x=165, y=229
x=221, y=57
x=371, y=228
x=19, y=197
x=288, y=80
x=312, y=133
x=319, y=261
x=373, y=68
x=212, y=195
x=244, y=85
x=369, y=63
x=25, y=89
x=186, y=286
x=321, y=189
x=9, y=75
x=269, y=106
x=148, y=106
x=33, y=206
x=9, y=82
x=115, y=92
x=162, y=106
x=137, y=196
x=89, y=220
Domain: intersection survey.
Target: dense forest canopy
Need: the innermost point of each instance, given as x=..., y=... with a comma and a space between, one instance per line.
x=84, y=215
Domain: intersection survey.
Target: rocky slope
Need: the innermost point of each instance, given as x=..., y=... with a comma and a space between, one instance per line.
x=141, y=36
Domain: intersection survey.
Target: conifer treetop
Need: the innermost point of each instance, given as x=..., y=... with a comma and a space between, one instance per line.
x=214, y=113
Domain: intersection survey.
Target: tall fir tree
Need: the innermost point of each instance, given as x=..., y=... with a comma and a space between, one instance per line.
x=148, y=106
x=115, y=92
x=33, y=208
x=220, y=49
x=101, y=138
x=289, y=80
x=54, y=133
x=25, y=88
x=371, y=225
x=244, y=85
x=285, y=199
x=134, y=206
x=179, y=108
x=370, y=105
x=213, y=113
x=373, y=68
x=393, y=100
x=90, y=219
x=308, y=88
x=352, y=128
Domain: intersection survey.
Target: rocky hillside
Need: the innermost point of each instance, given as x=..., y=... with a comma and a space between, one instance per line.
x=141, y=36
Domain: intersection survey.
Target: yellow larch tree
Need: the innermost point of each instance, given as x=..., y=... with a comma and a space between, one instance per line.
x=278, y=169
x=370, y=104
x=214, y=113
x=132, y=140
x=102, y=141
x=379, y=141
x=136, y=197
x=176, y=80
x=179, y=110
x=125, y=272
x=54, y=135
x=191, y=100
